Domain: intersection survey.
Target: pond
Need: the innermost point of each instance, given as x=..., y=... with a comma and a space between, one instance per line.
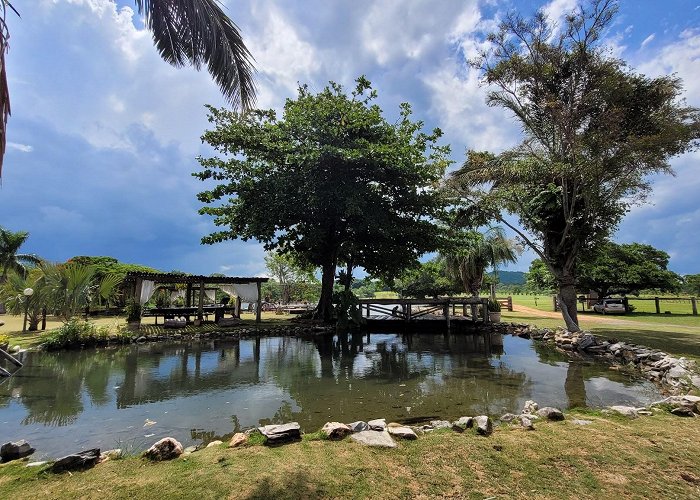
x=129, y=397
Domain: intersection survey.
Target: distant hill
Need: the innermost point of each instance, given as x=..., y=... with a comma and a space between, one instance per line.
x=511, y=277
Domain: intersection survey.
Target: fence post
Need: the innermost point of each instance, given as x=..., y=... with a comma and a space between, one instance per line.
x=658, y=307
x=510, y=303
x=694, y=303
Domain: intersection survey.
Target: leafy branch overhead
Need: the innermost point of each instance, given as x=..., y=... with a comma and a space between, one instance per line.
x=195, y=32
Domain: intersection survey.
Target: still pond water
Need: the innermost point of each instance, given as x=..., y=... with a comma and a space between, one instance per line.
x=130, y=397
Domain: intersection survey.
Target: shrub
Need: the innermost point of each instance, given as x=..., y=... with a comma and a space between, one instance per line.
x=133, y=311
x=73, y=333
x=494, y=306
x=4, y=340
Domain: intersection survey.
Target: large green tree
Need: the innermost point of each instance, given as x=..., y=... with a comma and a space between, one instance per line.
x=594, y=132
x=429, y=279
x=691, y=283
x=624, y=269
x=195, y=32
x=10, y=258
x=331, y=180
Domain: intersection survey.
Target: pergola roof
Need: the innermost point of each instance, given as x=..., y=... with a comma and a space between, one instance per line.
x=190, y=278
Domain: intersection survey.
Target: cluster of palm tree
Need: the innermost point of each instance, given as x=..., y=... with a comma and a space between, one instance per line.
x=64, y=290
x=469, y=253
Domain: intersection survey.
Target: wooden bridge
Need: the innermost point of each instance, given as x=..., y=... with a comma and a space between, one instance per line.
x=8, y=357
x=472, y=310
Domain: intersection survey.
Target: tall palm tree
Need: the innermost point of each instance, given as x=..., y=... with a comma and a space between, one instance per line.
x=10, y=259
x=472, y=252
x=195, y=32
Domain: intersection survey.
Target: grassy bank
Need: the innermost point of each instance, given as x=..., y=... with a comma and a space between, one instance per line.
x=652, y=457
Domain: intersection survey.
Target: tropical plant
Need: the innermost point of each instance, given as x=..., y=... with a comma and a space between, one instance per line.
x=197, y=32
x=16, y=302
x=594, y=133
x=133, y=311
x=71, y=287
x=468, y=254
x=10, y=258
x=494, y=306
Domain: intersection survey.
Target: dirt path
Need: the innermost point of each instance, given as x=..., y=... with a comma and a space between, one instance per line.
x=601, y=319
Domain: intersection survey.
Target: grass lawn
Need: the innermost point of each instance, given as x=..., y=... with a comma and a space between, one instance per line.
x=651, y=457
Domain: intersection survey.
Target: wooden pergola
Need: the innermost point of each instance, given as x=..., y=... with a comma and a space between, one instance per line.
x=194, y=283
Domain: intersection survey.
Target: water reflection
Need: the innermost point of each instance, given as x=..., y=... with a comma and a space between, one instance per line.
x=198, y=392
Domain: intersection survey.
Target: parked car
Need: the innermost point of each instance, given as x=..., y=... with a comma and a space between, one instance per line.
x=610, y=306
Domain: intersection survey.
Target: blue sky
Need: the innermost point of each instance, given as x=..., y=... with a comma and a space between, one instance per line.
x=104, y=134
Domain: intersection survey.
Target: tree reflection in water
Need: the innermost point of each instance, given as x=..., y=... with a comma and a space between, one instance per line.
x=202, y=390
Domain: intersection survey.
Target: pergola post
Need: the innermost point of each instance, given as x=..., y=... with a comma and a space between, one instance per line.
x=237, y=311
x=258, y=307
x=200, y=306
x=188, y=295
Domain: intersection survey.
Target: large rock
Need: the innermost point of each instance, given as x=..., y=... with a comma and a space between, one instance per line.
x=586, y=341
x=627, y=411
x=238, y=439
x=278, y=434
x=165, y=449
x=462, y=424
x=530, y=407
x=14, y=451
x=359, y=426
x=378, y=424
x=381, y=439
x=526, y=423
x=484, y=426
x=214, y=443
x=508, y=417
x=78, y=461
x=440, y=424
x=550, y=413
x=401, y=431
x=336, y=430
x=114, y=454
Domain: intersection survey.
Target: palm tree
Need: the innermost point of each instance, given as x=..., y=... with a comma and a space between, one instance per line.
x=10, y=259
x=472, y=252
x=197, y=32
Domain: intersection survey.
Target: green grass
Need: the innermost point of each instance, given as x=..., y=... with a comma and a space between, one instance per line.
x=651, y=457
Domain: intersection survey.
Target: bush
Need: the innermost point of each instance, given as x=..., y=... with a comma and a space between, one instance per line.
x=4, y=340
x=75, y=332
x=133, y=311
x=494, y=306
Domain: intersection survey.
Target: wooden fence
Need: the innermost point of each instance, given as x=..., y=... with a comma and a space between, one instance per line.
x=585, y=301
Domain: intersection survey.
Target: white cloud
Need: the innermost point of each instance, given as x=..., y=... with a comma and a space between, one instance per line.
x=24, y=148
x=648, y=40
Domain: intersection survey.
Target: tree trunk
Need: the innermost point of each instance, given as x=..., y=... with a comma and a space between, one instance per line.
x=567, y=303
x=324, y=310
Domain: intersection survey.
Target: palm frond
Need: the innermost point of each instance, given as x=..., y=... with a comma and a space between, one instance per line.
x=198, y=32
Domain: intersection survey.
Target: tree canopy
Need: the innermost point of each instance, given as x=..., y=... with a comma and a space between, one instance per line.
x=429, y=279
x=626, y=269
x=10, y=258
x=593, y=133
x=331, y=180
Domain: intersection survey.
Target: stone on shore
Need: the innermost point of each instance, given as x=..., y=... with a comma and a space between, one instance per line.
x=214, y=443
x=380, y=439
x=508, y=417
x=359, y=426
x=77, y=461
x=378, y=424
x=484, y=426
x=462, y=424
x=15, y=451
x=627, y=411
x=336, y=430
x=577, y=421
x=440, y=424
x=401, y=431
x=165, y=449
x=550, y=413
x=238, y=439
x=526, y=423
x=530, y=407
x=278, y=434
x=110, y=455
